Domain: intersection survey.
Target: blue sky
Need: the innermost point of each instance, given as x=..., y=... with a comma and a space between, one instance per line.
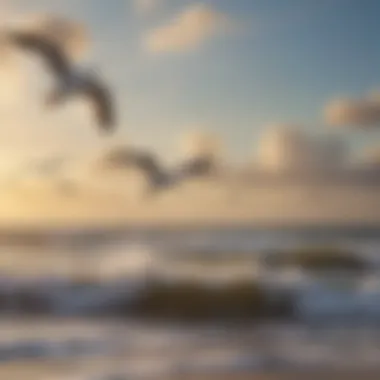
x=283, y=64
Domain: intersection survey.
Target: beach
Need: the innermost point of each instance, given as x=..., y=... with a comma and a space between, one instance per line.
x=58, y=371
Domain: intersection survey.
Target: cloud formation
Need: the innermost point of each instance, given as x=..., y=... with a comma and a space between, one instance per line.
x=194, y=26
x=291, y=148
x=146, y=6
x=354, y=112
x=198, y=144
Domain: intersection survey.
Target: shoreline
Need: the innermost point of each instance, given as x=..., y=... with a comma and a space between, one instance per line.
x=34, y=371
x=290, y=375
x=106, y=227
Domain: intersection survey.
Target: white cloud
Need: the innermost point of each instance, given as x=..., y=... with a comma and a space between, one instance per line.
x=146, y=6
x=363, y=112
x=199, y=143
x=188, y=30
x=291, y=148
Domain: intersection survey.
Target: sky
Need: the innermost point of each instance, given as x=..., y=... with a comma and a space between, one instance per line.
x=229, y=67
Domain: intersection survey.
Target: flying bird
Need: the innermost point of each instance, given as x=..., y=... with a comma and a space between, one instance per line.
x=158, y=177
x=69, y=80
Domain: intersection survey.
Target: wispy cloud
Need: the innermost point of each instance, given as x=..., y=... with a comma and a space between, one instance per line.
x=200, y=143
x=363, y=112
x=285, y=147
x=188, y=30
x=146, y=6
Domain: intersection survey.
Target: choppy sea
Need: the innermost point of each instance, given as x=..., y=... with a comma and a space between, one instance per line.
x=56, y=289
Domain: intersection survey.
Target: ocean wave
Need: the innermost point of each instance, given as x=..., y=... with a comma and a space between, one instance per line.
x=125, y=278
x=288, y=296
x=149, y=352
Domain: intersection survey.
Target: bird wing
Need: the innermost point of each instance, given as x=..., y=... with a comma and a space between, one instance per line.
x=102, y=102
x=157, y=177
x=144, y=162
x=53, y=54
x=149, y=165
x=141, y=160
x=197, y=167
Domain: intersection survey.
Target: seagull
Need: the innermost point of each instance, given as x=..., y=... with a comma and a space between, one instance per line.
x=158, y=178
x=69, y=80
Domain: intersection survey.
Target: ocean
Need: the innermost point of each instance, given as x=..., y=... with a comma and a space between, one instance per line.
x=163, y=303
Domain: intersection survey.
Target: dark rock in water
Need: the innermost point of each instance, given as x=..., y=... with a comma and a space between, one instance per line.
x=316, y=259
x=29, y=302
x=187, y=302
x=5, y=302
x=194, y=302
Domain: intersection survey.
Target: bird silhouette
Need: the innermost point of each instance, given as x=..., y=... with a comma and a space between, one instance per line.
x=69, y=80
x=159, y=178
